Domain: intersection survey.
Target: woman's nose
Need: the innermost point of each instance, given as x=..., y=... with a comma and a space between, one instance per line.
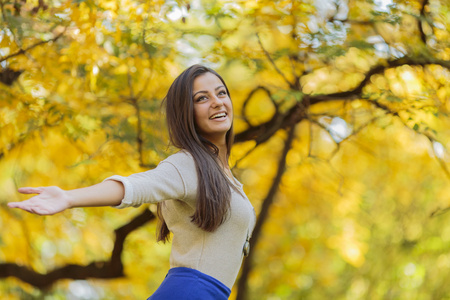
x=217, y=101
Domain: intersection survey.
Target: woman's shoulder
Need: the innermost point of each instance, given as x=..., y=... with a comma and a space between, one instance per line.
x=184, y=163
x=182, y=155
x=182, y=160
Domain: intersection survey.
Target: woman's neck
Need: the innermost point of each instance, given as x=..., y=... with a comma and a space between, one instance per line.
x=223, y=157
x=223, y=154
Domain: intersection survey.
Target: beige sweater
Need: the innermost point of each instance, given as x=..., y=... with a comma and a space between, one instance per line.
x=219, y=253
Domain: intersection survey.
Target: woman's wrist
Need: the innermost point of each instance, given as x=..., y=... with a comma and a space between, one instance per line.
x=69, y=198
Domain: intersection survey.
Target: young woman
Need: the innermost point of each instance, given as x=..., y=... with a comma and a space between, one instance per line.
x=198, y=198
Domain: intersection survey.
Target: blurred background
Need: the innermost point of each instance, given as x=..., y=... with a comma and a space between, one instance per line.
x=342, y=138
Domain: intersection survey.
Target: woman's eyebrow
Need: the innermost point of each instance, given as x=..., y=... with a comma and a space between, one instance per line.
x=205, y=92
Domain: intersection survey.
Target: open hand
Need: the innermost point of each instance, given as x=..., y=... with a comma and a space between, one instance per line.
x=50, y=200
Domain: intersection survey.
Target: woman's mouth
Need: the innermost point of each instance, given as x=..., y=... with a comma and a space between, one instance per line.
x=219, y=115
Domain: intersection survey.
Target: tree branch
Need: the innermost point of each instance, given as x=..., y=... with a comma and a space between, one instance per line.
x=292, y=86
x=24, y=136
x=134, y=101
x=420, y=20
x=250, y=96
x=113, y=268
x=23, y=51
x=439, y=211
x=263, y=214
x=262, y=132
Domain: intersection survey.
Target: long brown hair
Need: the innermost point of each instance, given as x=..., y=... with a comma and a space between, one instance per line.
x=213, y=194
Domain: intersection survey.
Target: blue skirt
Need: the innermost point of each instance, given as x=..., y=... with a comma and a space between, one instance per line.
x=189, y=284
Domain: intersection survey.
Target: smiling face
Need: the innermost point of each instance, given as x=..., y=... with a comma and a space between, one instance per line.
x=213, y=111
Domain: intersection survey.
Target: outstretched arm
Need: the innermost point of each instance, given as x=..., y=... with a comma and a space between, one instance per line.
x=51, y=200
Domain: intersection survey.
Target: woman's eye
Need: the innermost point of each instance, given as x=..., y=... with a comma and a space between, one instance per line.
x=200, y=98
x=222, y=92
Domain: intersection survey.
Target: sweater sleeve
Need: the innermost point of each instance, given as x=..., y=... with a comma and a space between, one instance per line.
x=170, y=180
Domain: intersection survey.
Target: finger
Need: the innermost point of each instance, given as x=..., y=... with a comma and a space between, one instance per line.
x=33, y=210
x=18, y=205
x=28, y=209
x=38, y=210
x=30, y=190
x=23, y=206
x=13, y=204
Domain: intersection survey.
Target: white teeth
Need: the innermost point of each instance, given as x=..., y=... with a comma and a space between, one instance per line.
x=219, y=115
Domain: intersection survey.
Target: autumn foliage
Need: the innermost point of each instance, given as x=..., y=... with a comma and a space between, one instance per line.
x=342, y=117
